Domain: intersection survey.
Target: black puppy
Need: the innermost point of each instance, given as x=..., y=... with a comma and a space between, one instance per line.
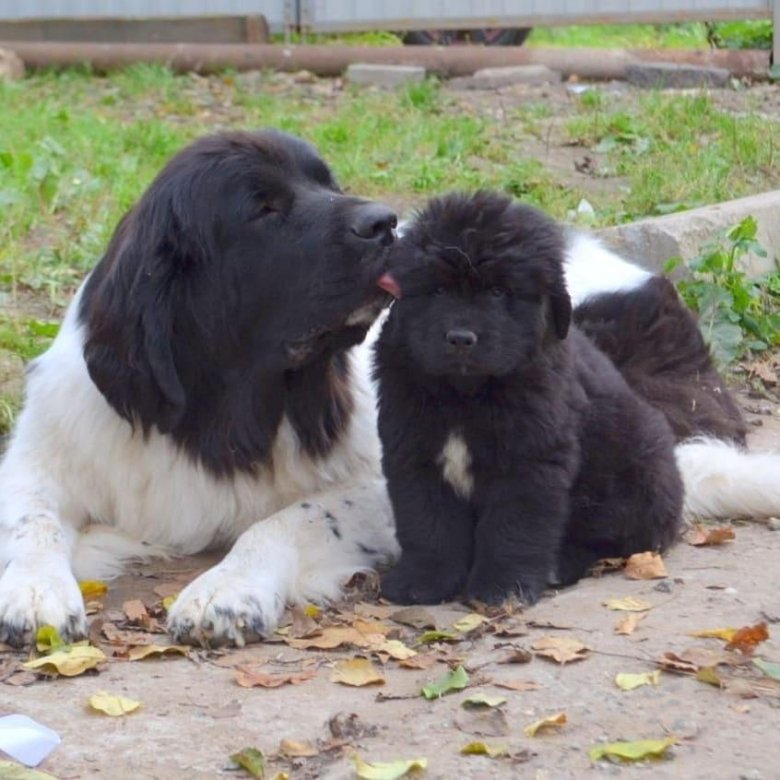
x=515, y=453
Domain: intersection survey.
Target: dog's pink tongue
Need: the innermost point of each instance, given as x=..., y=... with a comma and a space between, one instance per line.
x=388, y=283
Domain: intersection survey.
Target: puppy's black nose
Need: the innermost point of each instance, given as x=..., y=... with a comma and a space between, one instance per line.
x=374, y=222
x=461, y=338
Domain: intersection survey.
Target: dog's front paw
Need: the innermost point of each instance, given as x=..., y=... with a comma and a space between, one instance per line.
x=421, y=582
x=490, y=587
x=225, y=607
x=43, y=594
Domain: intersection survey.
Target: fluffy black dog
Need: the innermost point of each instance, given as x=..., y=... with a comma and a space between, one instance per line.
x=515, y=453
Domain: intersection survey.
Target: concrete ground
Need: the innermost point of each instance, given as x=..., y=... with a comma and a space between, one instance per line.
x=194, y=715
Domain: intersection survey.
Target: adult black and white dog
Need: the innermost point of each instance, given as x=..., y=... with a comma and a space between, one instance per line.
x=208, y=388
x=515, y=453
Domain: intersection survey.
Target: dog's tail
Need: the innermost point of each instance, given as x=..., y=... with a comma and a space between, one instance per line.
x=102, y=552
x=723, y=480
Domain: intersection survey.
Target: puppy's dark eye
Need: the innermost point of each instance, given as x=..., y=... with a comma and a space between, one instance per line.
x=497, y=292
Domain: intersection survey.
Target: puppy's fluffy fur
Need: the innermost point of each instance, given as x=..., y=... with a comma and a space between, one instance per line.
x=515, y=452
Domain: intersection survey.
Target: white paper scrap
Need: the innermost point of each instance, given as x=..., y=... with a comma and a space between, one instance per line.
x=25, y=740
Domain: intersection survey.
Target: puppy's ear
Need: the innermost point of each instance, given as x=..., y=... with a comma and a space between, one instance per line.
x=128, y=308
x=560, y=307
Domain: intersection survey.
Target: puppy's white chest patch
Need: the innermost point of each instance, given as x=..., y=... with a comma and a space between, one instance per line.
x=455, y=462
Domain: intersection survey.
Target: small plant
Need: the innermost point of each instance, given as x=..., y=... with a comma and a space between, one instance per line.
x=738, y=314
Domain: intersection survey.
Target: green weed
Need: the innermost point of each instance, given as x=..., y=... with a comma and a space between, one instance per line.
x=738, y=314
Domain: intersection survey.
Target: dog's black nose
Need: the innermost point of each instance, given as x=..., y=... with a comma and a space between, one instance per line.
x=461, y=338
x=374, y=222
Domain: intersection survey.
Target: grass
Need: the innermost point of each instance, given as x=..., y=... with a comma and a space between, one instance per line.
x=76, y=151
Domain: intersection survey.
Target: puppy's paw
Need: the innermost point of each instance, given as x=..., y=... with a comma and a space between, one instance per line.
x=225, y=606
x=43, y=594
x=421, y=582
x=489, y=588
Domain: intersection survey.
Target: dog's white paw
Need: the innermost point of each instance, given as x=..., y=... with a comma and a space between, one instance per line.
x=40, y=594
x=226, y=606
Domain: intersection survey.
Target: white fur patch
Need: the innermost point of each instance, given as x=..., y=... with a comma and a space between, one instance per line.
x=455, y=462
x=591, y=269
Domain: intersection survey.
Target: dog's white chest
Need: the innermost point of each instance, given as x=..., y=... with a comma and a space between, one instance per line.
x=455, y=462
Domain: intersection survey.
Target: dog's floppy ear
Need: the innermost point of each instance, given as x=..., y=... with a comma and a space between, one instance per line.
x=560, y=306
x=128, y=308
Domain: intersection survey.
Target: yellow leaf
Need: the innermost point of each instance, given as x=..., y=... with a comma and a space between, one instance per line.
x=251, y=760
x=632, y=751
x=395, y=648
x=167, y=602
x=628, y=604
x=91, y=589
x=645, y=566
x=312, y=611
x=709, y=675
x=10, y=770
x=69, y=663
x=726, y=634
x=627, y=682
x=387, y=771
x=483, y=749
x=469, y=623
x=146, y=651
x=357, y=672
x=628, y=624
x=552, y=721
x=483, y=700
x=562, y=649
x=112, y=705
x=293, y=749
x=47, y=639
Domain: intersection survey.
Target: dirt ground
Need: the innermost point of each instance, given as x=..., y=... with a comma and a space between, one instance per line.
x=194, y=714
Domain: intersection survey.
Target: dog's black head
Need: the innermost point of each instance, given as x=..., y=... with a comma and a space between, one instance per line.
x=480, y=287
x=241, y=263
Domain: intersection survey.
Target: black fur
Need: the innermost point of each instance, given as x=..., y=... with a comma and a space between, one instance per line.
x=654, y=341
x=567, y=464
x=222, y=302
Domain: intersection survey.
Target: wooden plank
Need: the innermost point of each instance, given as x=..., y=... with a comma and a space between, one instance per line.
x=205, y=29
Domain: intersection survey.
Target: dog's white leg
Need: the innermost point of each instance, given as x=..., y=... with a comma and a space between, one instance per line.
x=37, y=586
x=305, y=552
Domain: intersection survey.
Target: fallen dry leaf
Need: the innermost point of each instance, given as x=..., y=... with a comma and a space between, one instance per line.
x=416, y=617
x=136, y=611
x=293, y=749
x=629, y=623
x=562, y=649
x=150, y=651
x=518, y=655
x=115, y=706
x=483, y=722
x=671, y=662
x=709, y=675
x=551, y=721
x=390, y=770
x=645, y=566
x=248, y=677
x=478, y=700
x=429, y=637
x=419, y=661
x=632, y=751
x=10, y=770
x=357, y=672
x=700, y=535
x=92, y=589
x=47, y=639
x=469, y=623
x=628, y=604
x=517, y=685
x=395, y=648
x=627, y=682
x=455, y=680
x=20, y=678
x=483, y=749
x=726, y=634
x=251, y=760
x=746, y=638
x=76, y=660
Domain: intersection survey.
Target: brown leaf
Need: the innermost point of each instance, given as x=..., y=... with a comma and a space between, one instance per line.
x=136, y=611
x=148, y=651
x=746, y=638
x=605, y=565
x=303, y=625
x=350, y=728
x=562, y=649
x=671, y=662
x=551, y=721
x=331, y=638
x=293, y=749
x=378, y=611
x=645, y=566
x=517, y=655
x=700, y=536
x=21, y=678
x=628, y=624
x=517, y=685
x=420, y=661
x=249, y=677
x=416, y=617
